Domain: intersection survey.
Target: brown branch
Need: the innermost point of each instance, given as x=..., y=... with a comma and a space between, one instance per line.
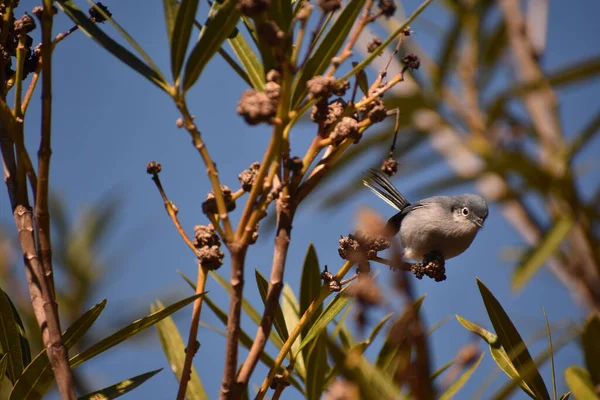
x=238, y=255
x=285, y=214
x=192, y=347
x=57, y=352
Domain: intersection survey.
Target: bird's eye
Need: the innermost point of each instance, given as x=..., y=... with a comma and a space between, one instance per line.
x=465, y=211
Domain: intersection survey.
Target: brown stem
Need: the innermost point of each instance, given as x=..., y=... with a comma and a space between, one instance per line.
x=238, y=255
x=57, y=353
x=285, y=213
x=192, y=348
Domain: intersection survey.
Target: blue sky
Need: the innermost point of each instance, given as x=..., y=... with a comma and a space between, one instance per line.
x=108, y=122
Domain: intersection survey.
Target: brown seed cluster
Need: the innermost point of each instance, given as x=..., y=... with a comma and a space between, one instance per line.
x=387, y=7
x=328, y=113
x=329, y=5
x=208, y=244
x=24, y=25
x=362, y=246
x=96, y=16
x=248, y=176
x=389, y=166
x=326, y=86
x=250, y=8
x=256, y=107
x=376, y=111
x=209, y=206
x=433, y=266
x=411, y=61
x=294, y=164
x=346, y=128
x=374, y=44
x=153, y=168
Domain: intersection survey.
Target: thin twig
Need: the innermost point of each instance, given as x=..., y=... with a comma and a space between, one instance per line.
x=192, y=347
x=308, y=314
x=285, y=214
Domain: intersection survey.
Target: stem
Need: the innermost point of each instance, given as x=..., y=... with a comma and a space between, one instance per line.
x=238, y=255
x=306, y=317
x=211, y=170
x=21, y=52
x=285, y=215
x=57, y=352
x=191, y=348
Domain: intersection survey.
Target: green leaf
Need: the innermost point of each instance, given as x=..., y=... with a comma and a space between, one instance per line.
x=279, y=320
x=590, y=339
x=390, y=346
x=129, y=39
x=174, y=349
x=373, y=384
x=565, y=396
x=441, y=370
x=249, y=60
x=182, y=30
x=130, y=330
x=3, y=364
x=460, y=382
x=333, y=309
x=291, y=313
x=580, y=383
x=170, y=10
x=362, y=80
x=535, y=258
x=310, y=288
x=328, y=48
x=512, y=342
x=223, y=18
x=248, y=309
x=280, y=11
x=246, y=341
x=119, y=389
x=10, y=338
x=554, y=396
x=316, y=368
x=112, y=46
x=498, y=353
x=38, y=377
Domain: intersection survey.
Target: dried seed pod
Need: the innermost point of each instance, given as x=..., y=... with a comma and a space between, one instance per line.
x=347, y=127
x=206, y=236
x=256, y=107
x=248, y=176
x=96, y=16
x=374, y=44
x=153, y=168
x=209, y=206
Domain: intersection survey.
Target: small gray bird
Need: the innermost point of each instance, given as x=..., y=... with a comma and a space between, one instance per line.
x=442, y=225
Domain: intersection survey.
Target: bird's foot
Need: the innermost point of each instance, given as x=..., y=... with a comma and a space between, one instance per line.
x=433, y=265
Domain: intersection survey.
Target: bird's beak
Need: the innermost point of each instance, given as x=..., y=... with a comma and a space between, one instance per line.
x=478, y=222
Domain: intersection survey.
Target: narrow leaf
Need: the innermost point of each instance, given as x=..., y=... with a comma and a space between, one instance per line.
x=110, y=45
x=174, y=349
x=119, y=389
x=170, y=10
x=310, y=288
x=590, y=339
x=460, y=382
x=328, y=48
x=373, y=384
x=498, y=353
x=130, y=330
x=10, y=338
x=279, y=320
x=535, y=258
x=248, y=309
x=580, y=383
x=316, y=368
x=291, y=313
x=3, y=364
x=512, y=342
x=222, y=20
x=246, y=341
x=249, y=60
x=554, y=395
x=441, y=370
x=182, y=30
x=38, y=377
x=280, y=11
x=333, y=309
x=565, y=396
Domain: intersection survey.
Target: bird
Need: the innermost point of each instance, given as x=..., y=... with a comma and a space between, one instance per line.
x=444, y=226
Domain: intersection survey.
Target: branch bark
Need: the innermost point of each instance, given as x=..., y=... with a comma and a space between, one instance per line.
x=238, y=255
x=285, y=214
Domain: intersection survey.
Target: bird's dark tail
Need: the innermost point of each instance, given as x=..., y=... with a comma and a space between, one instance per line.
x=382, y=187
